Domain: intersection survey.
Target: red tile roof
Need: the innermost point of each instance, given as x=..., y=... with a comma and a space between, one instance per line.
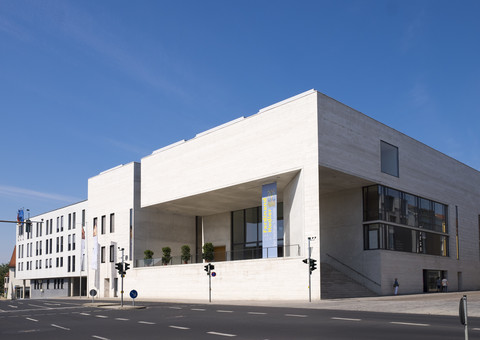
x=13, y=260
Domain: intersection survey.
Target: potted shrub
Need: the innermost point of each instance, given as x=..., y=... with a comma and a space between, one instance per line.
x=166, y=255
x=148, y=259
x=185, y=253
x=207, y=254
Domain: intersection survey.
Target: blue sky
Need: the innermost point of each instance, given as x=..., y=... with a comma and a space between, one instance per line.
x=88, y=85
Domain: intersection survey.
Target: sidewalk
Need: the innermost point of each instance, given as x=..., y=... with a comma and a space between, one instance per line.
x=433, y=304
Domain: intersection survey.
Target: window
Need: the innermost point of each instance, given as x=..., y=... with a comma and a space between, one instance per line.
x=58, y=244
x=421, y=225
x=73, y=263
x=112, y=223
x=389, y=158
x=69, y=242
x=83, y=218
x=69, y=221
x=102, y=254
x=247, y=233
x=61, y=244
x=112, y=253
x=61, y=223
x=51, y=225
x=390, y=205
x=69, y=261
x=73, y=242
x=58, y=224
x=46, y=230
x=74, y=218
x=103, y=224
x=383, y=236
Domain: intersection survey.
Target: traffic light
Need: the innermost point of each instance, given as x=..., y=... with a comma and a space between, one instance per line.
x=305, y=261
x=208, y=268
x=313, y=265
x=119, y=267
x=126, y=267
x=28, y=226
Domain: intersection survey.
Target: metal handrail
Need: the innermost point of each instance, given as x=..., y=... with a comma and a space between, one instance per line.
x=232, y=255
x=357, y=272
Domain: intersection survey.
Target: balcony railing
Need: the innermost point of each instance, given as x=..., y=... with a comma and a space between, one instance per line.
x=234, y=255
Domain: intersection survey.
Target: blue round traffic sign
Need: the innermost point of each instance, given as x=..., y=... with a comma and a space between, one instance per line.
x=133, y=294
x=214, y=274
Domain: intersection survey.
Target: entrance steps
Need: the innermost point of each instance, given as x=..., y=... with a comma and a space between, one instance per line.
x=336, y=285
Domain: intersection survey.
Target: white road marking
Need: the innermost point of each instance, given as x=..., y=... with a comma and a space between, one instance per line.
x=39, y=306
x=121, y=319
x=175, y=307
x=29, y=331
x=224, y=311
x=221, y=334
x=84, y=314
x=257, y=313
x=199, y=309
x=475, y=329
x=147, y=323
x=178, y=327
x=410, y=324
x=101, y=316
x=297, y=315
x=52, y=304
x=32, y=319
x=346, y=319
x=12, y=306
x=99, y=337
x=65, y=328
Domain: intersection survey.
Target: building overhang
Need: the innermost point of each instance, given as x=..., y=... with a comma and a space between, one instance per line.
x=235, y=197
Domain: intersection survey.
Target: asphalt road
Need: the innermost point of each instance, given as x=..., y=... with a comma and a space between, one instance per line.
x=71, y=319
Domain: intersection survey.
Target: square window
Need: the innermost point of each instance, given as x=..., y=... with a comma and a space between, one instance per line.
x=389, y=158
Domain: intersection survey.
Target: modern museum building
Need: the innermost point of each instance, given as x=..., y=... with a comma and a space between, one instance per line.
x=372, y=203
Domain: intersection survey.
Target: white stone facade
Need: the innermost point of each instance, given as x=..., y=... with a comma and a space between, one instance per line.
x=321, y=154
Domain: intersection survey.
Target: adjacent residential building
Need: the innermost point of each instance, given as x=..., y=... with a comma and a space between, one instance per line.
x=372, y=203
x=49, y=257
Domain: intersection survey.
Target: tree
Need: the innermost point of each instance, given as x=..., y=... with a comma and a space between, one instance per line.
x=3, y=273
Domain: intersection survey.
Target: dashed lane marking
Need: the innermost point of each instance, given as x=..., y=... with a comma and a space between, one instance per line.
x=12, y=306
x=224, y=311
x=35, y=320
x=121, y=319
x=257, y=313
x=99, y=337
x=346, y=319
x=175, y=307
x=57, y=326
x=178, y=327
x=147, y=323
x=199, y=309
x=297, y=315
x=222, y=334
x=101, y=316
x=84, y=314
x=410, y=324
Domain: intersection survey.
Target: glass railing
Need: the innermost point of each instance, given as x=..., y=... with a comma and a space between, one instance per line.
x=234, y=255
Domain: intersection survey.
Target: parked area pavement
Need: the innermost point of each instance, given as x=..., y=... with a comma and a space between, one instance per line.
x=430, y=304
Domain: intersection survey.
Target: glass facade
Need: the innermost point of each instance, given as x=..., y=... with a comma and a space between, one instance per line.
x=247, y=233
x=404, y=222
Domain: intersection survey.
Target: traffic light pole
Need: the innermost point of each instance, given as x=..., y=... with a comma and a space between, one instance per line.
x=121, y=292
x=209, y=284
x=309, y=273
